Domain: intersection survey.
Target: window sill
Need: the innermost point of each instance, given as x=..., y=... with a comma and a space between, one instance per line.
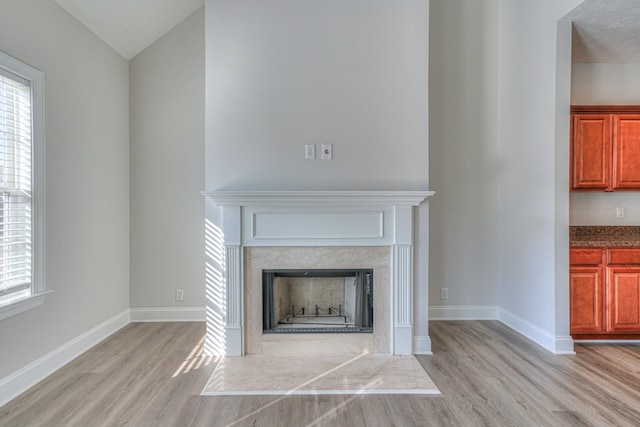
x=20, y=305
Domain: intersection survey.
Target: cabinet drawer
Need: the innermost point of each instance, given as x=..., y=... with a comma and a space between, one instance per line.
x=624, y=256
x=591, y=256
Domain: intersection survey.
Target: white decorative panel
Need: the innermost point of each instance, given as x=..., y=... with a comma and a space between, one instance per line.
x=313, y=226
x=232, y=225
x=403, y=225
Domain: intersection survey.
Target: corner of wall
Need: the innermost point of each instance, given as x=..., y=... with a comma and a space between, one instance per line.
x=36, y=371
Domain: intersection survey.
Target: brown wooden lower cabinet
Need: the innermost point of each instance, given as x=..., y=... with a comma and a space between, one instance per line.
x=604, y=293
x=624, y=299
x=587, y=300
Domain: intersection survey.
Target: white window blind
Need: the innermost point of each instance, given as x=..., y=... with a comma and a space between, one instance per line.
x=15, y=185
x=22, y=285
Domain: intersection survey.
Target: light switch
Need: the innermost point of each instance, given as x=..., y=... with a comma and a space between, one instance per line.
x=310, y=151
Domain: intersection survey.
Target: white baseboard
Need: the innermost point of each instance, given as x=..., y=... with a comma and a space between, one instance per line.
x=555, y=344
x=422, y=345
x=564, y=345
x=25, y=378
x=463, y=312
x=168, y=314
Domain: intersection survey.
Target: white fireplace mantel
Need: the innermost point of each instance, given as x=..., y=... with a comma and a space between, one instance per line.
x=314, y=198
x=319, y=218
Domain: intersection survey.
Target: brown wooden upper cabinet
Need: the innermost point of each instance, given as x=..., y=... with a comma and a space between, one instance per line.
x=605, y=148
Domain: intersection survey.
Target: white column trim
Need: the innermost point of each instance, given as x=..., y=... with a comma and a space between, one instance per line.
x=235, y=301
x=402, y=301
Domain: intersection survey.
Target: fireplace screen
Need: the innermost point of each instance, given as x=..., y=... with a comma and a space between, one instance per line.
x=304, y=301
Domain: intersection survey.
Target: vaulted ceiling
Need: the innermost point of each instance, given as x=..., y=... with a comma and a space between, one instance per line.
x=604, y=30
x=129, y=26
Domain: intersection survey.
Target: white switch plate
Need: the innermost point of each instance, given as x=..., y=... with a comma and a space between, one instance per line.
x=310, y=151
x=327, y=151
x=179, y=294
x=444, y=293
x=620, y=213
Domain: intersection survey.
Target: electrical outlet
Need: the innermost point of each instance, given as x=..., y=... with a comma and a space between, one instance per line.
x=620, y=213
x=179, y=294
x=327, y=151
x=444, y=293
x=310, y=151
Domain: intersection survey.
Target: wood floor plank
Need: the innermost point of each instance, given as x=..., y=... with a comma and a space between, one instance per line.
x=151, y=374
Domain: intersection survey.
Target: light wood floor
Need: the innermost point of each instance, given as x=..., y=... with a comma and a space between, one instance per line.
x=152, y=373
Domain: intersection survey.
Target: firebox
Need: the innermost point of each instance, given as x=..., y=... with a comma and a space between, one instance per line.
x=317, y=301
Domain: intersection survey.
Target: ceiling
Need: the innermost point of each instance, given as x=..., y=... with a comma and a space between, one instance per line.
x=603, y=30
x=606, y=31
x=129, y=26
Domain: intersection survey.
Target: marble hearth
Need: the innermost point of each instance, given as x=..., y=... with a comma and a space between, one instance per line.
x=248, y=232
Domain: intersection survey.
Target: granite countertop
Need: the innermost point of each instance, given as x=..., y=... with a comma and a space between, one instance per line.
x=609, y=236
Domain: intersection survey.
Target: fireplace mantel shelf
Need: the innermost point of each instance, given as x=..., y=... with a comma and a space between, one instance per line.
x=315, y=198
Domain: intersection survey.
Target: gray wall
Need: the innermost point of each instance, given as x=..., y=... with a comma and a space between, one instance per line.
x=354, y=74
x=534, y=199
x=289, y=73
x=464, y=153
x=87, y=178
x=167, y=169
x=493, y=160
x=499, y=105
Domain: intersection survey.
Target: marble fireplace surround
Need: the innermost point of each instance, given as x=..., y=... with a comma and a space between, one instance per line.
x=326, y=257
x=317, y=229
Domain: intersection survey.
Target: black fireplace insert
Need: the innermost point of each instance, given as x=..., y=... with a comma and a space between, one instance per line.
x=317, y=301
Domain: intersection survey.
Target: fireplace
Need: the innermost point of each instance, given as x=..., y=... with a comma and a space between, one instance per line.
x=251, y=234
x=317, y=301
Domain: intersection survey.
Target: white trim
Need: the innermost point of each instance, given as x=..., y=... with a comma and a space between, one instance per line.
x=317, y=225
x=463, y=312
x=277, y=226
x=25, y=378
x=21, y=305
x=564, y=345
x=402, y=299
x=168, y=314
x=422, y=345
x=38, y=186
x=235, y=286
x=555, y=344
x=36, y=82
x=317, y=218
x=317, y=198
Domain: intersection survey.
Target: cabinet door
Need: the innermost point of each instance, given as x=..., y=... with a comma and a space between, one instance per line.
x=626, y=149
x=586, y=300
x=624, y=299
x=591, y=152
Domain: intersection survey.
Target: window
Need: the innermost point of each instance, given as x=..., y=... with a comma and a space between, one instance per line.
x=21, y=187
